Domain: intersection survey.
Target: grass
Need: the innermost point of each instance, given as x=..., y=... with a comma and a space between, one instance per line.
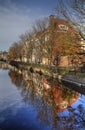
x=50, y=69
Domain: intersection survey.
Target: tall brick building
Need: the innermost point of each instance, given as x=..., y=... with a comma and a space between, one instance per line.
x=58, y=44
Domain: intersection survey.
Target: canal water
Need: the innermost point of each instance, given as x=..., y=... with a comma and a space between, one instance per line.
x=31, y=101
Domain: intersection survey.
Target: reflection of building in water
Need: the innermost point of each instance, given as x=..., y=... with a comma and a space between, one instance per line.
x=55, y=96
x=3, y=65
x=46, y=97
x=62, y=97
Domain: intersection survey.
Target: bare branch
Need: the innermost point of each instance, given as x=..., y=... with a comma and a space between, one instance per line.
x=74, y=12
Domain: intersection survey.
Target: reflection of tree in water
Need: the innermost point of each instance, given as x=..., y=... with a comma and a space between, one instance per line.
x=33, y=94
x=46, y=101
x=16, y=78
x=74, y=120
x=70, y=95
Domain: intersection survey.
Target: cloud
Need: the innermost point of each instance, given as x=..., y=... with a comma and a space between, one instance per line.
x=15, y=20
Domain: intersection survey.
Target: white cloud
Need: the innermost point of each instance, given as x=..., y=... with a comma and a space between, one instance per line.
x=15, y=20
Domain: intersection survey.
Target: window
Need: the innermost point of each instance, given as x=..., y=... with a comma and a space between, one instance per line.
x=63, y=27
x=46, y=37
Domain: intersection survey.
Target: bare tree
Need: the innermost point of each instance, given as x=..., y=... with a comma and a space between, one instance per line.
x=39, y=29
x=40, y=25
x=74, y=12
x=28, y=44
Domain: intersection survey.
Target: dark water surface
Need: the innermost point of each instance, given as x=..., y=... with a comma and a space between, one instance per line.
x=33, y=102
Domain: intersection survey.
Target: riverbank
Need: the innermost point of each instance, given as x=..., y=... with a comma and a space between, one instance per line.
x=50, y=71
x=76, y=81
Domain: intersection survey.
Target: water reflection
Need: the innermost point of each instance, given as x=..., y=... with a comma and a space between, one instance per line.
x=56, y=105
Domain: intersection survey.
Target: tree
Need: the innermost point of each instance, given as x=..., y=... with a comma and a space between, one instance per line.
x=74, y=12
x=15, y=52
x=39, y=30
x=40, y=25
x=28, y=44
x=12, y=53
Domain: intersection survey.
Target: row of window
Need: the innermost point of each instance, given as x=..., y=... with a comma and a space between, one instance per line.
x=63, y=27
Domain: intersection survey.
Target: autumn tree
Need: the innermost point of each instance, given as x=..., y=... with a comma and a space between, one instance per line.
x=68, y=45
x=12, y=53
x=73, y=11
x=15, y=52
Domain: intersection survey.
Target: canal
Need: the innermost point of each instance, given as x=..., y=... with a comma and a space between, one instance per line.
x=29, y=101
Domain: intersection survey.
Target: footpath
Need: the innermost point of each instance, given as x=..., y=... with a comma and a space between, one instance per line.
x=75, y=82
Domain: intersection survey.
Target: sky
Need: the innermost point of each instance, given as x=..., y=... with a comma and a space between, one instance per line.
x=18, y=16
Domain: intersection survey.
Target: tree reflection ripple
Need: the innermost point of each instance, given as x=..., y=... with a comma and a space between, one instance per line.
x=57, y=106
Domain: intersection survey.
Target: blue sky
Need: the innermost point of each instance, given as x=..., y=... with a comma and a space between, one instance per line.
x=18, y=16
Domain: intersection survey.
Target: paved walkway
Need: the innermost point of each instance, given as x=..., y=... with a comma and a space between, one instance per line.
x=73, y=79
